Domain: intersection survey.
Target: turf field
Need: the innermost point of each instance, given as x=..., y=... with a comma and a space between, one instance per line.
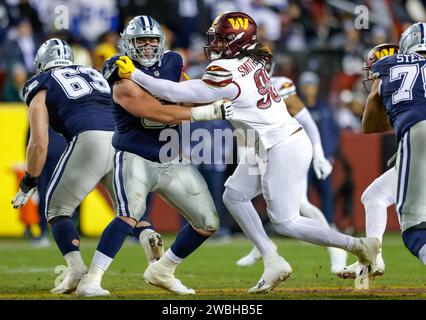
x=28, y=273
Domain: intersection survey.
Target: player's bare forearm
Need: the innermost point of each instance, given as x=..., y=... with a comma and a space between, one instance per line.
x=374, y=118
x=39, y=137
x=141, y=104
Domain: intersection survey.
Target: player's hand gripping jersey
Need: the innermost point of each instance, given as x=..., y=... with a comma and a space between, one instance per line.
x=133, y=134
x=403, y=89
x=257, y=104
x=77, y=99
x=246, y=83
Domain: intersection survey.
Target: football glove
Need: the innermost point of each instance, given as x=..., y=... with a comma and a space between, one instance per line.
x=219, y=110
x=322, y=167
x=27, y=187
x=125, y=67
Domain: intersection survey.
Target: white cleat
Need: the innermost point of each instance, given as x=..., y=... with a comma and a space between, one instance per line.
x=70, y=282
x=367, y=254
x=274, y=273
x=152, y=244
x=160, y=276
x=90, y=288
x=350, y=272
x=250, y=259
x=379, y=269
x=338, y=259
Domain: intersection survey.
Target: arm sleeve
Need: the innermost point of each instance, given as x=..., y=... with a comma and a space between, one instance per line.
x=305, y=119
x=195, y=91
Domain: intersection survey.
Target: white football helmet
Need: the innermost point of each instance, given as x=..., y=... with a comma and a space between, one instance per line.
x=143, y=27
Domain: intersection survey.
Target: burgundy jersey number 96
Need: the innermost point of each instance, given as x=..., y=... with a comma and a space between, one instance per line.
x=265, y=89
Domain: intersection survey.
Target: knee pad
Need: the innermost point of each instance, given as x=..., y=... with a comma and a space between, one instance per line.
x=210, y=223
x=283, y=227
x=54, y=215
x=56, y=219
x=414, y=240
x=232, y=195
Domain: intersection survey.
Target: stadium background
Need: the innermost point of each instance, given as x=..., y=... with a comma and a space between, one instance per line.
x=318, y=36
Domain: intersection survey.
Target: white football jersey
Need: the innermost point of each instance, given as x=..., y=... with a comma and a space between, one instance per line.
x=258, y=105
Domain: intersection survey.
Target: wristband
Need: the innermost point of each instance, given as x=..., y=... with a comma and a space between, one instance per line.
x=28, y=182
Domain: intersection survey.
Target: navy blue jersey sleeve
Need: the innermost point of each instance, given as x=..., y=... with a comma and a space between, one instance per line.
x=34, y=85
x=381, y=67
x=175, y=60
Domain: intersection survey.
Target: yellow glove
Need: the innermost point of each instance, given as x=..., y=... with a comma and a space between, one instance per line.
x=125, y=67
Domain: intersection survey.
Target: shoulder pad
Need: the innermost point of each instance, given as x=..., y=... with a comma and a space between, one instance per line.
x=33, y=85
x=174, y=58
x=382, y=66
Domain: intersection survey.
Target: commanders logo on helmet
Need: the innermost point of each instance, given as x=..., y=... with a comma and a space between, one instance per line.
x=229, y=33
x=375, y=54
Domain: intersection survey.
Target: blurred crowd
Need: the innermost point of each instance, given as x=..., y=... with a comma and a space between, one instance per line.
x=316, y=35
x=319, y=44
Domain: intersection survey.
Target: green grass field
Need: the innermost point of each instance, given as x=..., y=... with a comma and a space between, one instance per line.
x=28, y=273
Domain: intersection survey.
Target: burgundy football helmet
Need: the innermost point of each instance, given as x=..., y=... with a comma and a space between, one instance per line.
x=375, y=54
x=229, y=33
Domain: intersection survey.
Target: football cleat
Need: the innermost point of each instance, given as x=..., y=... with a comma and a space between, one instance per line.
x=88, y=287
x=250, y=259
x=350, y=272
x=70, y=282
x=274, y=273
x=368, y=251
x=160, y=276
x=152, y=244
x=337, y=258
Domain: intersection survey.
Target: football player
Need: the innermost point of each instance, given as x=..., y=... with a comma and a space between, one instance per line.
x=381, y=193
x=282, y=149
x=396, y=101
x=74, y=101
x=322, y=167
x=139, y=167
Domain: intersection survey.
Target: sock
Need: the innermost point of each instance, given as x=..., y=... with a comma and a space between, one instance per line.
x=170, y=261
x=248, y=219
x=375, y=219
x=187, y=241
x=138, y=230
x=422, y=254
x=269, y=257
x=113, y=237
x=65, y=234
x=100, y=264
x=314, y=232
x=74, y=260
